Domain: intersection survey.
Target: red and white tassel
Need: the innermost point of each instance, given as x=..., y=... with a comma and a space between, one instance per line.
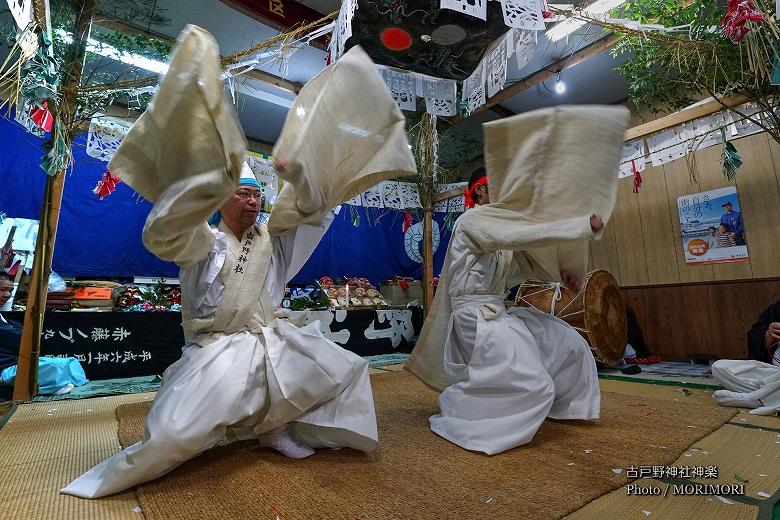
x=107, y=185
x=637, y=177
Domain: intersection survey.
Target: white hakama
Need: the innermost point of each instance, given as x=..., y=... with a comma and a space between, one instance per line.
x=255, y=379
x=509, y=369
x=758, y=381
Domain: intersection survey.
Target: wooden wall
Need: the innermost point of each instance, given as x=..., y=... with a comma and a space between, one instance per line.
x=686, y=309
x=701, y=320
x=642, y=245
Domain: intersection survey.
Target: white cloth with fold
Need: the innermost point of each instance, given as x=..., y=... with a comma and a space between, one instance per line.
x=503, y=372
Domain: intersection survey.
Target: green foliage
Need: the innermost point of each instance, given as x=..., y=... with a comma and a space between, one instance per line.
x=666, y=75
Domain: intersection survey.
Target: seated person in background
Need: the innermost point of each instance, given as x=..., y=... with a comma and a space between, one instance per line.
x=636, y=340
x=10, y=331
x=755, y=382
x=725, y=237
x=55, y=375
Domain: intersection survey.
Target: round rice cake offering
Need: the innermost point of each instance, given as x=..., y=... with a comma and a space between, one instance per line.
x=368, y=301
x=333, y=292
x=355, y=301
x=378, y=301
x=342, y=301
x=359, y=292
x=372, y=293
x=342, y=292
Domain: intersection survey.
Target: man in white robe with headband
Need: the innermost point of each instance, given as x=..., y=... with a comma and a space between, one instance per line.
x=550, y=185
x=290, y=387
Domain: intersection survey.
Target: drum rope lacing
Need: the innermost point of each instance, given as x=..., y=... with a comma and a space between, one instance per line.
x=556, y=287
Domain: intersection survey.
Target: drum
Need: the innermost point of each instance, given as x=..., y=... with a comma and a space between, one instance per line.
x=597, y=312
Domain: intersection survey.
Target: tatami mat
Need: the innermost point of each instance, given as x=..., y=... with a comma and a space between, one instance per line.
x=44, y=445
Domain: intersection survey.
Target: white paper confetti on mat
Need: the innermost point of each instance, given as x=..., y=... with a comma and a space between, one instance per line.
x=724, y=500
x=761, y=475
x=570, y=464
x=489, y=500
x=762, y=494
x=692, y=426
x=647, y=513
x=588, y=451
x=617, y=471
x=136, y=509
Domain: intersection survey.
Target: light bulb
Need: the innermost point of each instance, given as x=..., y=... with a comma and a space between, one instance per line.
x=560, y=87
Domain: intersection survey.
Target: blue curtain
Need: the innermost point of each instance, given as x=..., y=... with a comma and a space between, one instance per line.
x=374, y=249
x=103, y=238
x=95, y=237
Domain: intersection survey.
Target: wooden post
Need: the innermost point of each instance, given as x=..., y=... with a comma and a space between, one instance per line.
x=427, y=260
x=26, y=384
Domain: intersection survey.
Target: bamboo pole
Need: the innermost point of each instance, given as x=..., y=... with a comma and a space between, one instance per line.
x=26, y=384
x=428, y=171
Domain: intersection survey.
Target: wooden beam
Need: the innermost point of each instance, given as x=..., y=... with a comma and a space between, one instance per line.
x=448, y=194
x=265, y=77
x=501, y=111
x=552, y=70
x=701, y=109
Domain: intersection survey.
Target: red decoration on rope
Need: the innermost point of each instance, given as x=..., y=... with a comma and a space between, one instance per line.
x=468, y=193
x=42, y=117
x=13, y=270
x=637, y=177
x=740, y=11
x=403, y=284
x=107, y=185
x=407, y=221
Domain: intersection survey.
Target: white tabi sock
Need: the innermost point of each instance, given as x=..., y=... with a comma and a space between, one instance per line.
x=280, y=440
x=737, y=399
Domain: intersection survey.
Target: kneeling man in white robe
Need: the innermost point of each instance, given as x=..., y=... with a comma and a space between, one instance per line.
x=290, y=387
x=504, y=371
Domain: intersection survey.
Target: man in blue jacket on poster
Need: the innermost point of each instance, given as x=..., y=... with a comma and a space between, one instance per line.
x=733, y=220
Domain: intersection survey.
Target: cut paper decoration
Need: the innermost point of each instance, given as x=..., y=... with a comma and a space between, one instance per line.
x=402, y=86
x=475, y=8
x=496, y=62
x=474, y=89
x=523, y=14
x=441, y=95
x=632, y=151
x=410, y=195
x=105, y=136
x=523, y=45
x=667, y=146
x=372, y=197
x=391, y=194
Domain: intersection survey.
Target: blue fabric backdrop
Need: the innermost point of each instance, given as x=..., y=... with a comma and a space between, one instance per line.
x=103, y=238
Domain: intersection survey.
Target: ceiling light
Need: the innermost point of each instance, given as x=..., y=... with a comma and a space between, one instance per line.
x=560, y=86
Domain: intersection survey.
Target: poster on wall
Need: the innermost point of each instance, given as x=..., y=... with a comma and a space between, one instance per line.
x=712, y=228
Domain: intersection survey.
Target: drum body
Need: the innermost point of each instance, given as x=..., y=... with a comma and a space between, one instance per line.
x=597, y=312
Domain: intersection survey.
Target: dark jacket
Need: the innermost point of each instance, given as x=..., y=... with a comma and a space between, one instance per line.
x=10, y=336
x=755, y=336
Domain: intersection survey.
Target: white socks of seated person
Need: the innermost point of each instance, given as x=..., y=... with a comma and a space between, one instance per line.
x=279, y=439
x=737, y=399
